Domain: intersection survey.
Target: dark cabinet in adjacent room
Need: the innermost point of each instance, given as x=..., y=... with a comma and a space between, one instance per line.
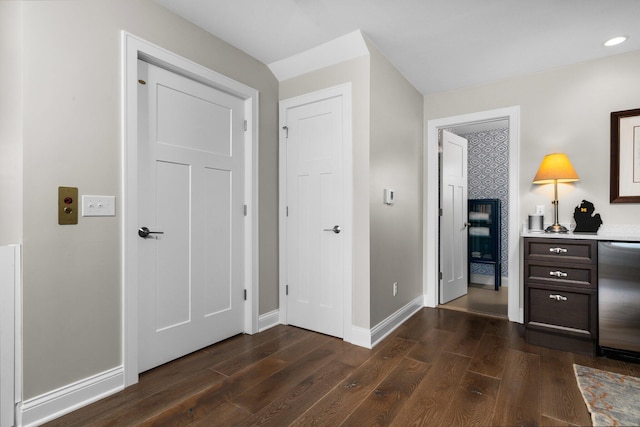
x=484, y=235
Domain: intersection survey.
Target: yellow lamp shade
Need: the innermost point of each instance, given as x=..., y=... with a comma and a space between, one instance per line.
x=554, y=167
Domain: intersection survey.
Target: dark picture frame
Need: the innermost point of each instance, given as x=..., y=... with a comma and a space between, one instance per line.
x=631, y=162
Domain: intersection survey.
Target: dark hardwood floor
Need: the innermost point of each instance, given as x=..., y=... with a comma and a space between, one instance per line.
x=441, y=368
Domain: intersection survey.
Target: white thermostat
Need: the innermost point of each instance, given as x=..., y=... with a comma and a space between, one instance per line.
x=389, y=194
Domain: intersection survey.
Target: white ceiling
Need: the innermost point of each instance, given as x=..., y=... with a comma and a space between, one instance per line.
x=437, y=45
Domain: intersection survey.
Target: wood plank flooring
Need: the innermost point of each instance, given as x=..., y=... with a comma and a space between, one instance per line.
x=441, y=368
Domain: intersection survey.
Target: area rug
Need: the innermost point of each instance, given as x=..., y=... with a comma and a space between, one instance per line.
x=612, y=399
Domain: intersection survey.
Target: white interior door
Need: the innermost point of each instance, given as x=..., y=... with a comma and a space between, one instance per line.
x=453, y=227
x=190, y=178
x=315, y=232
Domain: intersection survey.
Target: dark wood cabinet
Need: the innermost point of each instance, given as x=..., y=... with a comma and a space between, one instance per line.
x=561, y=293
x=484, y=243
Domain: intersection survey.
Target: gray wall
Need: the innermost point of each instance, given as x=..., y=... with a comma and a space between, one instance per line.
x=396, y=163
x=563, y=110
x=72, y=274
x=11, y=122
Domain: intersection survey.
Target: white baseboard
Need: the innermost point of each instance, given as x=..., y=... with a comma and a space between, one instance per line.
x=369, y=338
x=54, y=404
x=268, y=320
x=483, y=279
x=388, y=325
x=520, y=318
x=360, y=337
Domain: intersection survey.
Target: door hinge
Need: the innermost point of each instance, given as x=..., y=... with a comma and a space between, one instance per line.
x=286, y=129
x=440, y=275
x=245, y=294
x=287, y=214
x=245, y=125
x=440, y=212
x=245, y=210
x=286, y=290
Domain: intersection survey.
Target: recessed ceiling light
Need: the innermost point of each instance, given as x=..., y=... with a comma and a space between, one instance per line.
x=616, y=40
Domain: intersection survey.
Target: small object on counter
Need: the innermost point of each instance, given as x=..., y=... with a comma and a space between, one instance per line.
x=586, y=221
x=536, y=223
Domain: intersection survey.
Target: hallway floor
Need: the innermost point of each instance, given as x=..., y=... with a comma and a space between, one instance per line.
x=483, y=299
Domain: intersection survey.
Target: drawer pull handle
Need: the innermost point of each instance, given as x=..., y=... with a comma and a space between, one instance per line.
x=558, y=274
x=558, y=297
x=558, y=250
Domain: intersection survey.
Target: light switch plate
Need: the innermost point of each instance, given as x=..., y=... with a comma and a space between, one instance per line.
x=98, y=205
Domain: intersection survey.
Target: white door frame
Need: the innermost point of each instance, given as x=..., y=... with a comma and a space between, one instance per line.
x=431, y=204
x=10, y=333
x=134, y=48
x=347, y=152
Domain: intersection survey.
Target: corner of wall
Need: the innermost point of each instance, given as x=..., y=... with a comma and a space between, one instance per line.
x=395, y=162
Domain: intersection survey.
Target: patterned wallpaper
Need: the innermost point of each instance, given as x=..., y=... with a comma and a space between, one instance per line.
x=488, y=178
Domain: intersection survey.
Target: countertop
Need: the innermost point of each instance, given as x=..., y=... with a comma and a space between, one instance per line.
x=616, y=232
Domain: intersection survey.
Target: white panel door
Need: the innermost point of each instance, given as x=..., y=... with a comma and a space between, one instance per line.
x=190, y=163
x=315, y=222
x=453, y=228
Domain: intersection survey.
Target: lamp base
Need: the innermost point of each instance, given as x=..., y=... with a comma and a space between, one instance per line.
x=556, y=228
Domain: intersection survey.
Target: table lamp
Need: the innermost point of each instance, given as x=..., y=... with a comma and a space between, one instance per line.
x=555, y=168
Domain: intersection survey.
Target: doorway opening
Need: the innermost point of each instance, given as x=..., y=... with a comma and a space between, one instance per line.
x=432, y=206
x=487, y=170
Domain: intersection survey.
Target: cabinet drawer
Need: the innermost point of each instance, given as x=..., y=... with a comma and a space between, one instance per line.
x=559, y=309
x=577, y=251
x=576, y=275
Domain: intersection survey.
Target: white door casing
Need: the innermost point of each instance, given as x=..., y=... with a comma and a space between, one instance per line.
x=453, y=222
x=10, y=333
x=134, y=48
x=430, y=203
x=190, y=176
x=315, y=197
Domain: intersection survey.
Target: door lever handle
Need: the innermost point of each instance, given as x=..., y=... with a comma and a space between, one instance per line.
x=144, y=232
x=336, y=229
